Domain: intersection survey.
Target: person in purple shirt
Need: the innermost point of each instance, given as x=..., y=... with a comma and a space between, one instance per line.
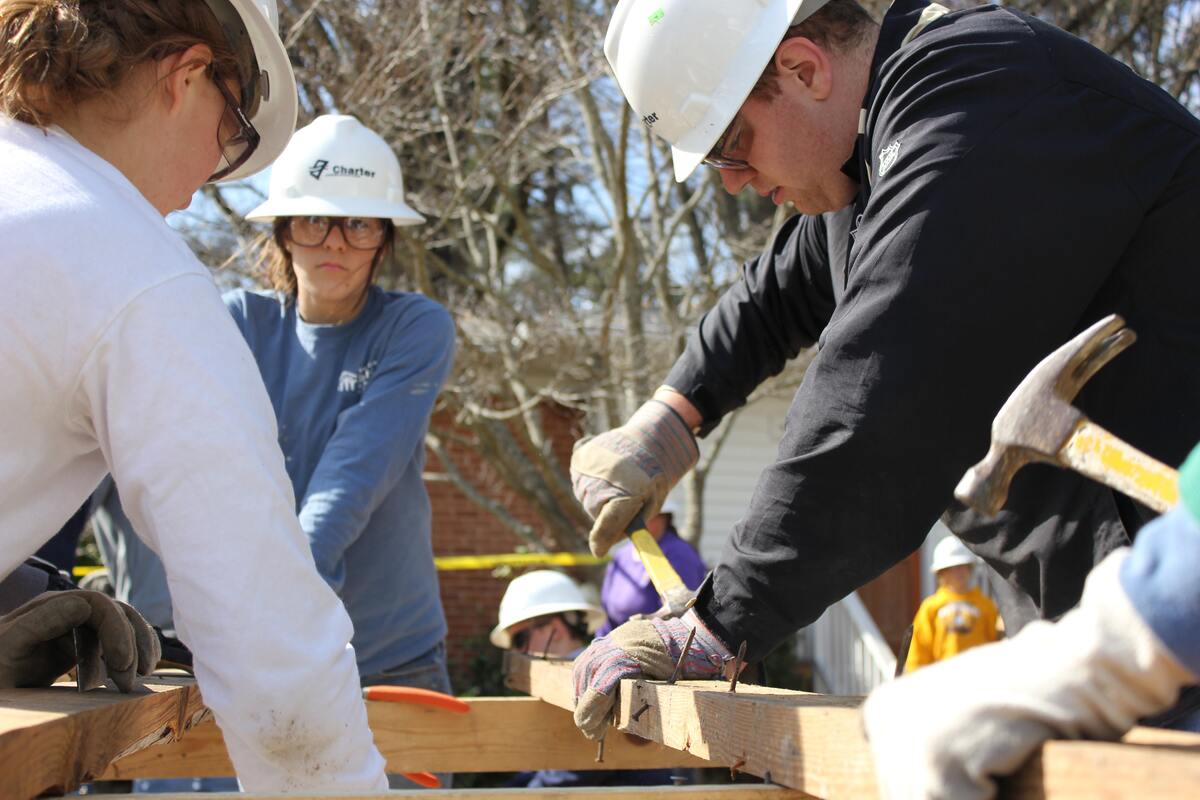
x=627, y=589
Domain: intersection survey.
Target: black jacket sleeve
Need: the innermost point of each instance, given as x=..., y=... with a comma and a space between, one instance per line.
x=779, y=305
x=997, y=213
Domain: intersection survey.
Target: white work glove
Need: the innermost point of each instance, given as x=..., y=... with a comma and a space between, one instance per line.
x=946, y=730
x=630, y=469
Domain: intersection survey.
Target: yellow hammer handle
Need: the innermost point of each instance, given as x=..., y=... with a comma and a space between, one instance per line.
x=662, y=574
x=1103, y=457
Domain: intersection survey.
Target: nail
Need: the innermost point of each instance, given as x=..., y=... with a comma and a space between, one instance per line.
x=683, y=655
x=733, y=771
x=738, y=663
x=600, y=752
x=645, y=707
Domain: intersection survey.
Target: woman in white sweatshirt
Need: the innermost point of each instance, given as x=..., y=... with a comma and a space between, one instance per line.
x=119, y=356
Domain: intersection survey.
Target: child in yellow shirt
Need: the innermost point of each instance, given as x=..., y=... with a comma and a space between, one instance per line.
x=957, y=616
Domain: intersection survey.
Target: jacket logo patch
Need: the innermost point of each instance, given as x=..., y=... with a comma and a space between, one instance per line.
x=888, y=156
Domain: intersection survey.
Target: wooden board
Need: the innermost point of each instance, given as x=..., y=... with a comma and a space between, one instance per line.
x=53, y=739
x=734, y=792
x=815, y=743
x=499, y=734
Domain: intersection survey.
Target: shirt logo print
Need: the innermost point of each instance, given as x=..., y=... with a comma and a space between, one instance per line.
x=356, y=380
x=958, y=617
x=888, y=156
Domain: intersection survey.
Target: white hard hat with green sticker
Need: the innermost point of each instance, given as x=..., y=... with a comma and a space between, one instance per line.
x=686, y=66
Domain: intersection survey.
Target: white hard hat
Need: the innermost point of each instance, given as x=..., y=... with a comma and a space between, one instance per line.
x=950, y=552
x=536, y=594
x=686, y=66
x=273, y=113
x=337, y=167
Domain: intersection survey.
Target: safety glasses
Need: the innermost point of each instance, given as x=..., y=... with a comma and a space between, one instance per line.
x=360, y=233
x=236, y=136
x=520, y=639
x=720, y=156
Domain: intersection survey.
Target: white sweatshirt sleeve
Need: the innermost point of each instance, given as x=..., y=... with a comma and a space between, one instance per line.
x=175, y=399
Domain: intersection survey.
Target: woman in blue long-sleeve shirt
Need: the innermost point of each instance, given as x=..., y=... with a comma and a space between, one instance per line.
x=353, y=372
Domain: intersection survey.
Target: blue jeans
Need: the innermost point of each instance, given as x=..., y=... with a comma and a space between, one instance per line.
x=424, y=672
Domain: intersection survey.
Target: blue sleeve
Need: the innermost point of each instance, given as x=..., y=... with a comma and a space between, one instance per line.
x=235, y=301
x=1160, y=578
x=377, y=439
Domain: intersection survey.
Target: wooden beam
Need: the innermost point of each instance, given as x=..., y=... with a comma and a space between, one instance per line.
x=499, y=734
x=52, y=740
x=814, y=742
x=732, y=792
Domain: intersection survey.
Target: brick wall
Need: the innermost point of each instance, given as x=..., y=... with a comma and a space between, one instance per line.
x=471, y=598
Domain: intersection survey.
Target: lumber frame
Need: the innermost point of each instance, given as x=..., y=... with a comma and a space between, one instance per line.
x=53, y=739
x=498, y=734
x=732, y=792
x=814, y=742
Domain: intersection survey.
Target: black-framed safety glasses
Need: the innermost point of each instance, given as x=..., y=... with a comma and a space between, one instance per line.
x=520, y=639
x=719, y=156
x=360, y=233
x=237, y=137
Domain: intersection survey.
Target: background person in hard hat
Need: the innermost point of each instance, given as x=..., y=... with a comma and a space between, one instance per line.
x=353, y=372
x=975, y=186
x=949, y=730
x=627, y=589
x=546, y=614
x=956, y=617
x=119, y=357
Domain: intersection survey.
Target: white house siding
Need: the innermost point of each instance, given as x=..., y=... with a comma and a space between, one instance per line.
x=750, y=447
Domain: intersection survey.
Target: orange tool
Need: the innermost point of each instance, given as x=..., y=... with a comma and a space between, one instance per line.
x=420, y=697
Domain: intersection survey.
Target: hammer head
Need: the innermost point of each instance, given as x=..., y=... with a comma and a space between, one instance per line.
x=1038, y=418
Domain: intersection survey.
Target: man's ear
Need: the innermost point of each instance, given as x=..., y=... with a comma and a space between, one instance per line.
x=180, y=73
x=804, y=64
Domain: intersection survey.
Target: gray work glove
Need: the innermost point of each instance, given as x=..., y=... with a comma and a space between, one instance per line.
x=644, y=647
x=37, y=645
x=630, y=469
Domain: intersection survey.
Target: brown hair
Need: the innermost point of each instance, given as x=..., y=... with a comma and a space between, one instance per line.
x=839, y=25
x=55, y=54
x=275, y=260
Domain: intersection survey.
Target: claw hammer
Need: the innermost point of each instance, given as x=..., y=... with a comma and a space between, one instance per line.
x=1039, y=424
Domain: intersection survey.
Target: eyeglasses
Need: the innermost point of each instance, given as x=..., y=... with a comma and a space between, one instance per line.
x=520, y=639
x=718, y=157
x=236, y=136
x=360, y=233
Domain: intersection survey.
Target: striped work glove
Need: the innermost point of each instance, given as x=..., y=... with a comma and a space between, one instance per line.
x=630, y=469
x=639, y=648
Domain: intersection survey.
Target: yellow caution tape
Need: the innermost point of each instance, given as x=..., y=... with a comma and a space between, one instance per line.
x=447, y=563
x=451, y=563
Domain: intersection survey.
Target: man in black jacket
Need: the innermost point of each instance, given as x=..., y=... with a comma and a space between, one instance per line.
x=975, y=187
